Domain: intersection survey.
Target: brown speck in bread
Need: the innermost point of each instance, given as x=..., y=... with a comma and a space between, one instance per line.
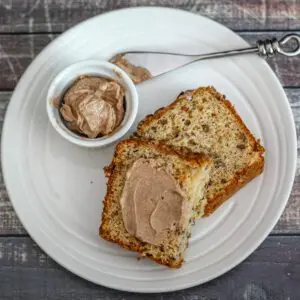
x=187, y=122
x=243, y=136
x=205, y=128
x=185, y=109
x=218, y=163
x=241, y=146
x=163, y=122
x=177, y=231
x=192, y=142
x=114, y=213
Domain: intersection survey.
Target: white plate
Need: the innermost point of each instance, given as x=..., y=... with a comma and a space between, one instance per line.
x=57, y=188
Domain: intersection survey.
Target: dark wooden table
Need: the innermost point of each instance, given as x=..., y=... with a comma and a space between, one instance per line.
x=26, y=272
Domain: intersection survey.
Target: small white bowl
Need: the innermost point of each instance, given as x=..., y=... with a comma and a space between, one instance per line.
x=64, y=80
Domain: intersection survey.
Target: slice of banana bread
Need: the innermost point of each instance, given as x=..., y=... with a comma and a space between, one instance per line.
x=203, y=121
x=191, y=174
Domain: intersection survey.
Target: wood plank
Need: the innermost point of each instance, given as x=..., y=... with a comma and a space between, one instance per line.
x=59, y=15
x=8, y=217
x=272, y=272
x=290, y=219
x=288, y=223
x=17, y=51
x=10, y=223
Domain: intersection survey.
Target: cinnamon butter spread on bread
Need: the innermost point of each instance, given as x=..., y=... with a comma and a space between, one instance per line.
x=203, y=121
x=152, y=202
x=152, y=192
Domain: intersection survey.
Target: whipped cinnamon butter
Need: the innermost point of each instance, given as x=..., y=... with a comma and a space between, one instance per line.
x=137, y=74
x=93, y=106
x=152, y=203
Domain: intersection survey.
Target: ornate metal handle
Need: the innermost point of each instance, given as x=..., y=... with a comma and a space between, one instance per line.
x=268, y=48
x=264, y=48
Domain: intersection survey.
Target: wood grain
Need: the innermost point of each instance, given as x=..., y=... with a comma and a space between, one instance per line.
x=272, y=272
x=17, y=51
x=288, y=223
x=9, y=223
x=290, y=219
x=59, y=15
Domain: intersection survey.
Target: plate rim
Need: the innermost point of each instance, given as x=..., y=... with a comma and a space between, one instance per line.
x=275, y=219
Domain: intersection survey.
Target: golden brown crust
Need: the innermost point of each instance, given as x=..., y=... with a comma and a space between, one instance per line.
x=104, y=230
x=192, y=159
x=241, y=177
x=240, y=180
x=136, y=248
